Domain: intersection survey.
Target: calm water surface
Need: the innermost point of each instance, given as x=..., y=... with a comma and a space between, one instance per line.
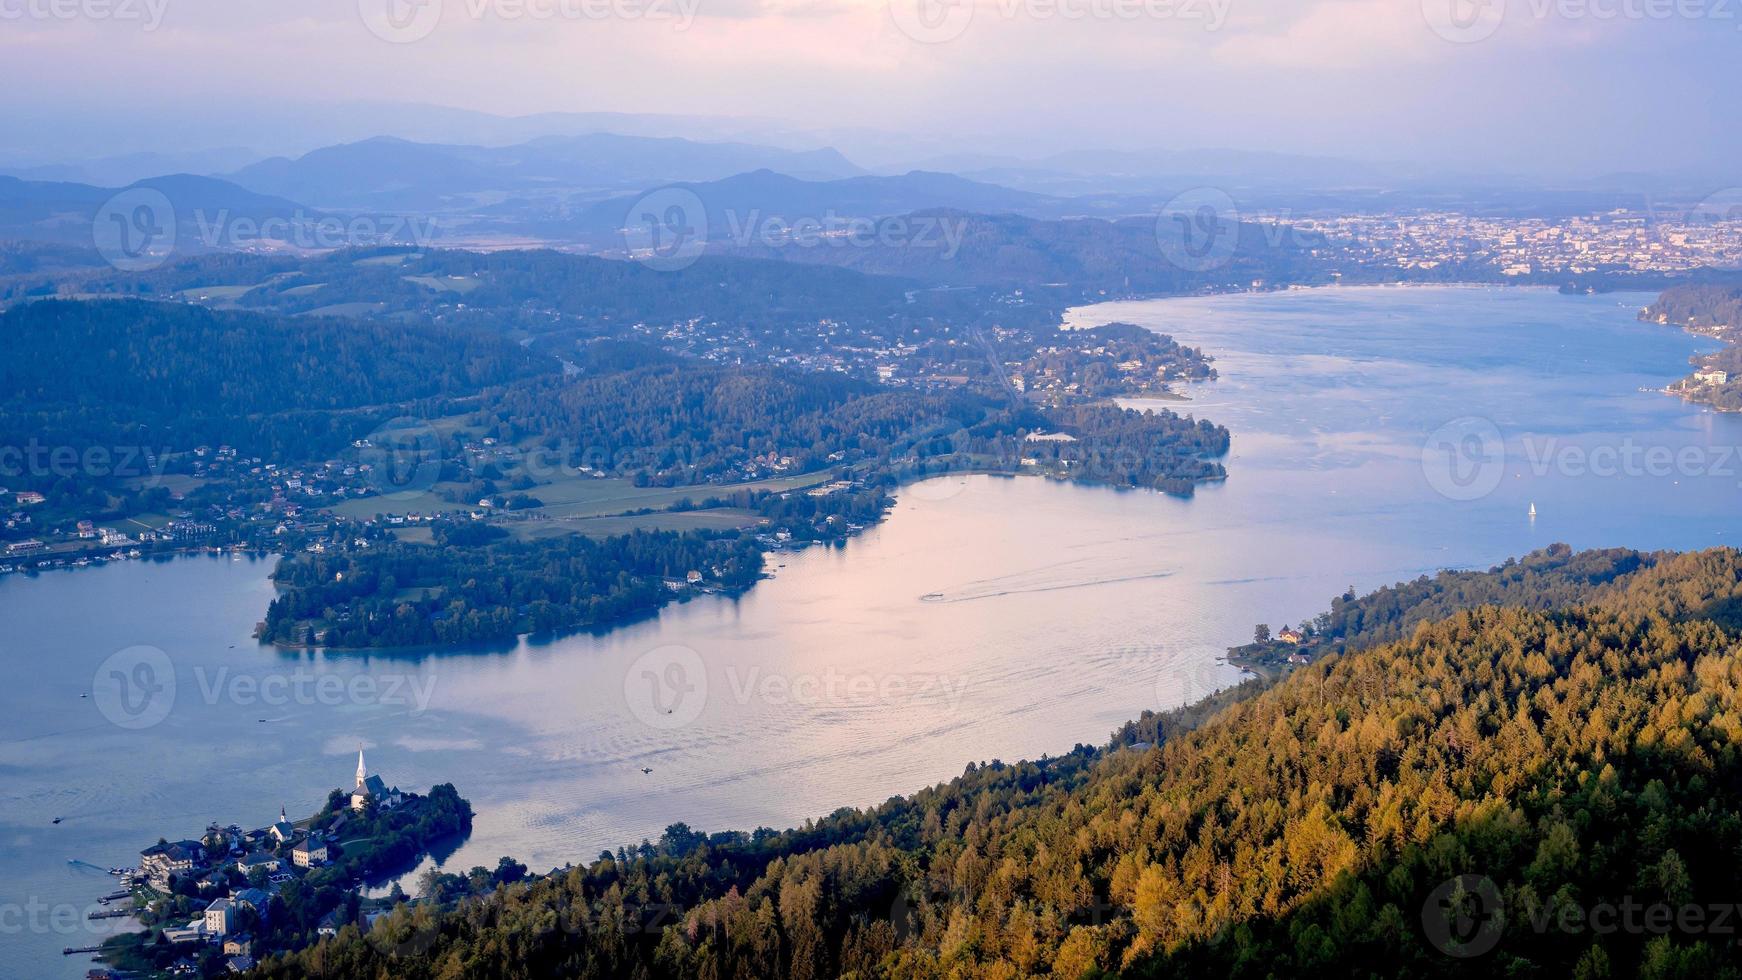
x=988, y=618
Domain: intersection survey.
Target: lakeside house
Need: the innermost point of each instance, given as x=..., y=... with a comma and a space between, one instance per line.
x=219, y=916
x=308, y=853
x=163, y=859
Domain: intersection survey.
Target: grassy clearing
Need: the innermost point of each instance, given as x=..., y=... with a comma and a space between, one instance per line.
x=448, y=284
x=583, y=496
x=716, y=519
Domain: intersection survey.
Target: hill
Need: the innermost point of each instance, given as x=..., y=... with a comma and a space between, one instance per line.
x=396, y=174
x=755, y=208
x=1512, y=780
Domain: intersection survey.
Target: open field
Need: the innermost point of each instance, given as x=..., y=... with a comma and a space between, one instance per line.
x=715, y=519
x=583, y=496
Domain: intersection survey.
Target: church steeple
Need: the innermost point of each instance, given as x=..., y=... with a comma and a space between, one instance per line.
x=362, y=772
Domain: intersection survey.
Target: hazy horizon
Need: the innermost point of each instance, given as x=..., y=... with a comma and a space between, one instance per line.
x=1568, y=88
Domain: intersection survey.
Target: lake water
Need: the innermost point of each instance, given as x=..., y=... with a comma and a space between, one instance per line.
x=987, y=618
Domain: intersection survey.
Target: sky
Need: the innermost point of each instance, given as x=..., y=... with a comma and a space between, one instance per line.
x=1545, y=87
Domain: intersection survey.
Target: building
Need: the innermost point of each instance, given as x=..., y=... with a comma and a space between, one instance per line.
x=1290, y=636
x=308, y=854
x=259, y=860
x=160, y=861
x=282, y=831
x=252, y=898
x=1711, y=376
x=240, y=944
x=220, y=915
x=372, y=788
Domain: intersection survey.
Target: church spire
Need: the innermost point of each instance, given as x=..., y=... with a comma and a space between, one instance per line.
x=362, y=773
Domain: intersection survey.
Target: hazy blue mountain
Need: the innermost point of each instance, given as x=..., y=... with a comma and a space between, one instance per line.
x=128, y=168
x=396, y=174
x=765, y=199
x=202, y=208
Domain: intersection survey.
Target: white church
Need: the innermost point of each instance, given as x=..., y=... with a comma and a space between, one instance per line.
x=372, y=787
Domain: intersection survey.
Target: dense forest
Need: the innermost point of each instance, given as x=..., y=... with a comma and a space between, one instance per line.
x=1706, y=307
x=477, y=583
x=176, y=376
x=1550, y=780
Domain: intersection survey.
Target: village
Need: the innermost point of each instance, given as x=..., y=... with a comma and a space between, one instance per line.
x=217, y=904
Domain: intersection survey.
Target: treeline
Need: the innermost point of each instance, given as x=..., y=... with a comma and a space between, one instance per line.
x=676, y=422
x=1486, y=786
x=1700, y=306
x=170, y=375
x=1123, y=447
x=479, y=584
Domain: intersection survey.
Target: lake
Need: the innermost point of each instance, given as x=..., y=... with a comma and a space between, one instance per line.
x=1379, y=434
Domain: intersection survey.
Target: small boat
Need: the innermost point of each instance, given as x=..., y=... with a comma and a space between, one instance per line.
x=57, y=819
x=646, y=771
x=1533, y=511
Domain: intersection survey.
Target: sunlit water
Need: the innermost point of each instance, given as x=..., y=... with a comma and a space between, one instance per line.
x=988, y=618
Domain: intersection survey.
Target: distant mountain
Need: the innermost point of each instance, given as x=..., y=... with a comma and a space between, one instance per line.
x=387, y=173
x=747, y=209
x=205, y=212
x=119, y=171
x=954, y=248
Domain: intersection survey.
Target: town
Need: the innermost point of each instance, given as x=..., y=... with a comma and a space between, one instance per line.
x=219, y=903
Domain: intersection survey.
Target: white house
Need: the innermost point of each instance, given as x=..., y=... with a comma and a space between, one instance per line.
x=219, y=915
x=308, y=854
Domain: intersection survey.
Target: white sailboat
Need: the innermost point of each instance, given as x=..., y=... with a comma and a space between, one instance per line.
x=1533, y=510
